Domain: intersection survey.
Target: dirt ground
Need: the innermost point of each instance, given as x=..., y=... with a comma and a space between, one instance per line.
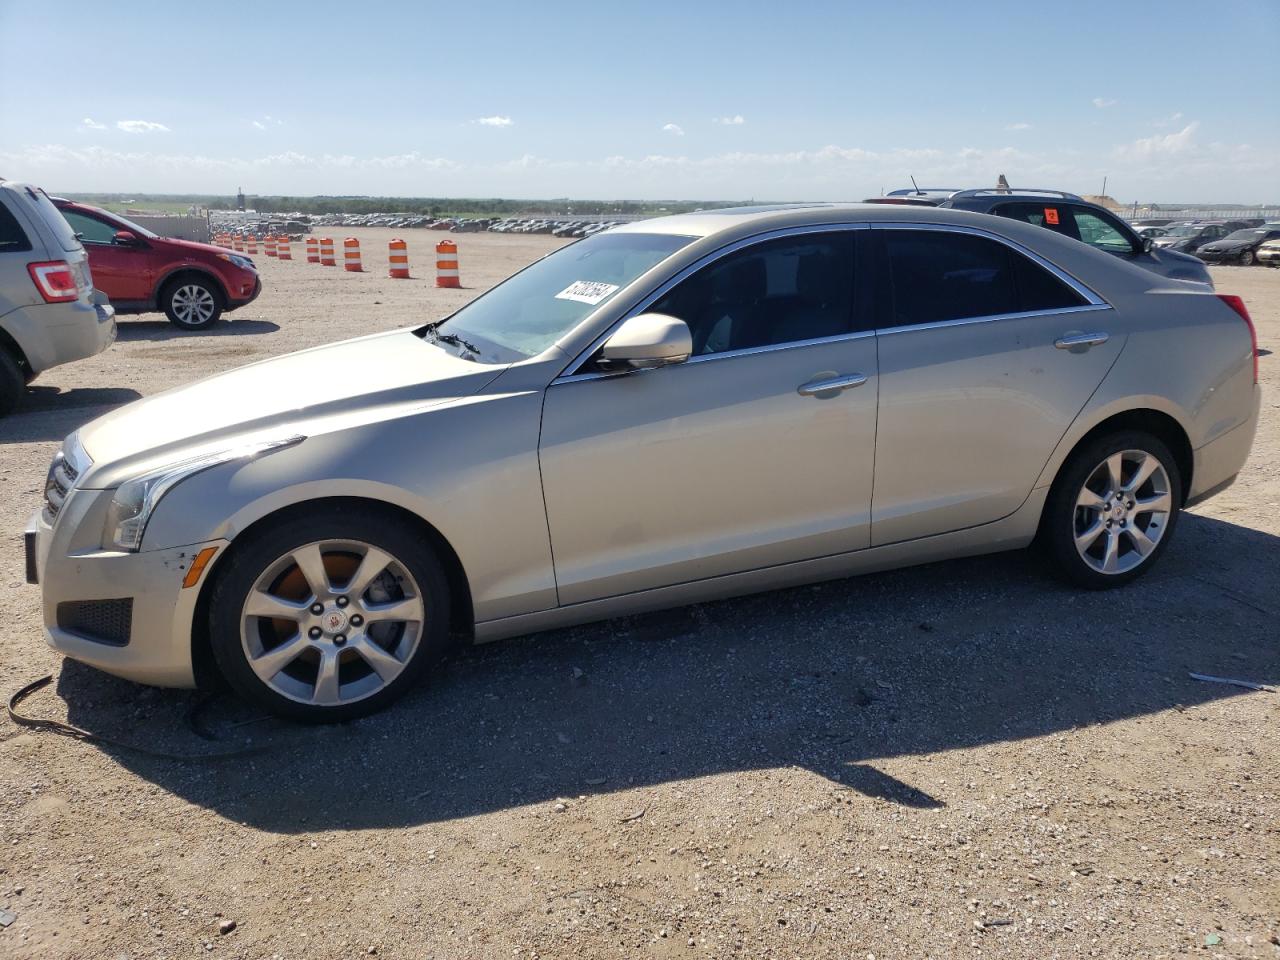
x=964, y=759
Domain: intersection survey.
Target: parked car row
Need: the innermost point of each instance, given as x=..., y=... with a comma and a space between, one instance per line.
x=1219, y=241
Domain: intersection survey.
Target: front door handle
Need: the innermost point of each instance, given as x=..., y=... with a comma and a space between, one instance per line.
x=1072, y=341
x=833, y=386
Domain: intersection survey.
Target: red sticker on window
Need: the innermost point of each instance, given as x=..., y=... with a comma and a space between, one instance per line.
x=1051, y=216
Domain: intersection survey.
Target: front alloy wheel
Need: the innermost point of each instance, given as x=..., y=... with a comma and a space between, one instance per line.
x=192, y=304
x=332, y=622
x=328, y=615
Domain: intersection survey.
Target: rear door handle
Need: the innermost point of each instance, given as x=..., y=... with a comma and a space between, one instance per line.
x=1071, y=341
x=834, y=385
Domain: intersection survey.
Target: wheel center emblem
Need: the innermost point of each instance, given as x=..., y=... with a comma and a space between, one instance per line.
x=334, y=621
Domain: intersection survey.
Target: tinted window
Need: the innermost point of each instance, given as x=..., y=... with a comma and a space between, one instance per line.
x=1097, y=232
x=782, y=291
x=1051, y=216
x=88, y=229
x=940, y=276
x=12, y=236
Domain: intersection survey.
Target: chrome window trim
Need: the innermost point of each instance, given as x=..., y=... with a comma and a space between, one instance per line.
x=966, y=321
x=722, y=355
x=1093, y=298
x=570, y=373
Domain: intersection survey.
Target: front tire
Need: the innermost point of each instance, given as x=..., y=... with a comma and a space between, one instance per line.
x=1246, y=258
x=192, y=303
x=1112, y=510
x=330, y=615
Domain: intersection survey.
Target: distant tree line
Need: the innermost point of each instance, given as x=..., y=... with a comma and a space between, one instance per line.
x=422, y=206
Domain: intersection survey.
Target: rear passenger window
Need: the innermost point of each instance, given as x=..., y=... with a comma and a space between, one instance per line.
x=12, y=236
x=939, y=276
x=782, y=291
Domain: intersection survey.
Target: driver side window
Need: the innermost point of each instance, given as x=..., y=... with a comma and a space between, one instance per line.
x=772, y=293
x=88, y=229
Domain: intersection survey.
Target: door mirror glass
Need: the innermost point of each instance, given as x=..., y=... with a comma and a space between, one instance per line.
x=1147, y=244
x=646, y=341
x=125, y=238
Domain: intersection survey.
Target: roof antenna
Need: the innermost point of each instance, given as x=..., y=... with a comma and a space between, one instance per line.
x=913, y=183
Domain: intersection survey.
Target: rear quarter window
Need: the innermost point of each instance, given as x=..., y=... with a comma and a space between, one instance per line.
x=13, y=239
x=41, y=206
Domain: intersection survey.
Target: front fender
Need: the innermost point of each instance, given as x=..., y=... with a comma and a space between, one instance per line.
x=470, y=470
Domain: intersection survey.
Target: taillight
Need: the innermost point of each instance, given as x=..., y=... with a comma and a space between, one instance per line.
x=1236, y=304
x=55, y=280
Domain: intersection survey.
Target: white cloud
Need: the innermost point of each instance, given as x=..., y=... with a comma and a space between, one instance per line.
x=1018, y=126
x=141, y=126
x=495, y=121
x=735, y=121
x=259, y=124
x=1165, y=145
x=90, y=124
x=1102, y=103
x=673, y=128
x=1167, y=121
x=266, y=122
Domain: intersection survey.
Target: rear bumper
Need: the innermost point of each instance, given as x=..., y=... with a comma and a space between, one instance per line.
x=55, y=333
x=1218, y=462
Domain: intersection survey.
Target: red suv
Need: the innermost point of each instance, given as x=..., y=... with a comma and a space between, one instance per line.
x=193, y=283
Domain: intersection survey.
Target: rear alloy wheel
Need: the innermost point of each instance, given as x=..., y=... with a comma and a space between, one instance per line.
x=1113, y=510
x=332, y=624
x=192, y=303
x=1246, y=258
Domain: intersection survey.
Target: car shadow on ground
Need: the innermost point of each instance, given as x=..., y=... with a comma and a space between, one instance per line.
x=834, y=678
x=50, y=413
x=160, y=330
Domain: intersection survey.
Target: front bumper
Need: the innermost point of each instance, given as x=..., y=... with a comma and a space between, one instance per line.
x=157, y=649
x=244, y=299
x=1219, y=256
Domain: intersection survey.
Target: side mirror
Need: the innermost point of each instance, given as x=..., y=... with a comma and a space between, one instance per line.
x=1147, y=244
x=648, y=340
x=125, y=238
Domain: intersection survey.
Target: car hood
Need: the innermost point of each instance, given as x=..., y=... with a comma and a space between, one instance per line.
x=319, y=389
x=190, y=246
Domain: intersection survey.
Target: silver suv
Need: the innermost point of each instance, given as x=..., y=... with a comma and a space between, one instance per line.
x=49, y=311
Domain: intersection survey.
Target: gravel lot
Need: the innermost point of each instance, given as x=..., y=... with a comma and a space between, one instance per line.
x=964, y=759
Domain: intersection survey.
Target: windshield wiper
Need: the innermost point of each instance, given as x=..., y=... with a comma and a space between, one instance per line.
x=455, y=340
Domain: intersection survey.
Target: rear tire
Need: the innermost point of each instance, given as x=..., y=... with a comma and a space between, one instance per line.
x=192, y=302
x=13, y=384
x=384, y=614
x=1112, y=510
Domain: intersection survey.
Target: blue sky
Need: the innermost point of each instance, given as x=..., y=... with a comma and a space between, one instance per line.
x=1171, y=101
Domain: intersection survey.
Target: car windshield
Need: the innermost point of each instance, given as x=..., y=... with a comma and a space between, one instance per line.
x=1186, y=230
x=1244, y=236
x=527, y=313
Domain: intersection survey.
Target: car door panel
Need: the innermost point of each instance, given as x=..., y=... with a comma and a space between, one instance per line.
x=970, y=413
x=708, y=467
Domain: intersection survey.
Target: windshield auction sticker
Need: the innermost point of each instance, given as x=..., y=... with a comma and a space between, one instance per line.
x=587, y=291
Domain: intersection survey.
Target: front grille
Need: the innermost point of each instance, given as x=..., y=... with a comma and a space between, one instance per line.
x=62, y=477
x=102, y=621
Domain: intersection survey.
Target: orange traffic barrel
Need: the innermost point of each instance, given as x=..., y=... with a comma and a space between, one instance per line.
x=250, y=244
x=282, y=249
x=351, y=255
x=236, y=244
x=326, y=252
x=447, y=264
x=269, y=245
x=399, y=257
x=313, y=250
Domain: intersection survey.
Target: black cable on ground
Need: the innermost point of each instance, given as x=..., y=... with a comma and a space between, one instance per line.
x=68, y=730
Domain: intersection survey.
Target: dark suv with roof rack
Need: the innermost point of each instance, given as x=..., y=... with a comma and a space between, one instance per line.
x=1079, y=219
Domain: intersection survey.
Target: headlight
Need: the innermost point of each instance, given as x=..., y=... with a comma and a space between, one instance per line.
x=244, y=263
x=135, y=500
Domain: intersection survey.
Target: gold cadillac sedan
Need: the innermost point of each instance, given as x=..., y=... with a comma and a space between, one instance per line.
x=664, y=413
